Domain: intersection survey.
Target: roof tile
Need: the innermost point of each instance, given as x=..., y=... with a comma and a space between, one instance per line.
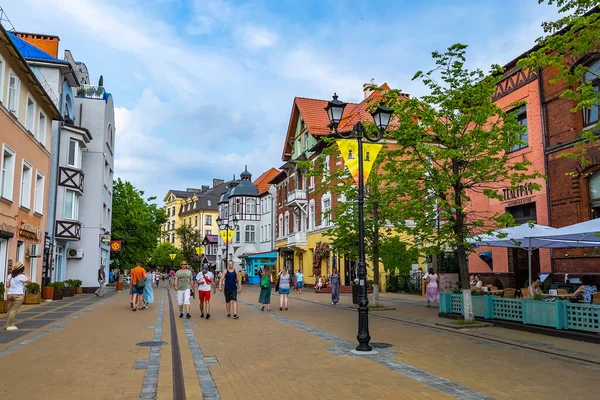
x=262, y=182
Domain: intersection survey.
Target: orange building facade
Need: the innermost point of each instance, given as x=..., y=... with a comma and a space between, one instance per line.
x=524, y=203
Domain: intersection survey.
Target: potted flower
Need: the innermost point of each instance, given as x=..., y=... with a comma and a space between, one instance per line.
x=2, y=303
x=58, y=290
x=69, y=288
x=32, y=293
x=78, y=288
x=48, y=293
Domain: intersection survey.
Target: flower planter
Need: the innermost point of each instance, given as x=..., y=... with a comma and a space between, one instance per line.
x=58, y=295
x=69, y=292
x=550, y=314
x=32, y=298
x=119, y=286
x=78, y=290
x=48, y=293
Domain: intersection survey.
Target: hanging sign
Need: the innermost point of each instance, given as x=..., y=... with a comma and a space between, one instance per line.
x=115, y=245
x=29, y=231
x=227, y=235
x=349, y=150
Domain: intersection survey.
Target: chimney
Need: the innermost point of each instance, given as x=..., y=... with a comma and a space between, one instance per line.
x=46, y=43
x=217, y=182
x=205, y=188
x=366, y=91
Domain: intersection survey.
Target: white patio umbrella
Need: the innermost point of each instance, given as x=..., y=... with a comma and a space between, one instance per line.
x=588, y=232
x=529, y=237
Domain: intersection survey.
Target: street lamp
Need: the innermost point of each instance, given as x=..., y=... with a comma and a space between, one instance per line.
x=172, y=257
x=226, y=226
x=381, y=116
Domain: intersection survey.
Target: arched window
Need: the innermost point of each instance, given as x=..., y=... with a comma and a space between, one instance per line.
x=594, y=183
x=109, y=136
x=68, y=109
x=590, y=115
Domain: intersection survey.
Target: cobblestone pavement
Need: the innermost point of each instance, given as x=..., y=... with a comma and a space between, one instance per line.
x=85, y=347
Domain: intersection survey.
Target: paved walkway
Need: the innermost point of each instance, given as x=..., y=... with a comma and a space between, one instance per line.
x=86, y=347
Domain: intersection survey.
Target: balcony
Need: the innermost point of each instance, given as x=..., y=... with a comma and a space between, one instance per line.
x=91, y=92
x=70, y=230
x=71, y=178
x=297, y=239
x=296, y=198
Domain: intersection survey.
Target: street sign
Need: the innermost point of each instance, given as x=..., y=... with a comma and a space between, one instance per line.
x=115, y=245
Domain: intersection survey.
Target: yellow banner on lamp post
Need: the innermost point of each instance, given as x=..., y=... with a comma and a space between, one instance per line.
x=349, y=150
x=227, y=235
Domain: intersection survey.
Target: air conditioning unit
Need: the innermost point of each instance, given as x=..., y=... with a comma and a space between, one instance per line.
x=75, y=253
x=34, y=251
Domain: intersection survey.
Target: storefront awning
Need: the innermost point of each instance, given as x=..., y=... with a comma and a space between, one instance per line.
x=285, y=249
x=271, y=254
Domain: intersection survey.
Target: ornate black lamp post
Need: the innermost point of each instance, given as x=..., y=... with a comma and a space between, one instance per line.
x=227, y=227
x=381, y=116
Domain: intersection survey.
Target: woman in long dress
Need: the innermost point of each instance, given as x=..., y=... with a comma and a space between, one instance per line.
x=148, y=291
x=432, y=292
x=265, y=290
x=335, y=287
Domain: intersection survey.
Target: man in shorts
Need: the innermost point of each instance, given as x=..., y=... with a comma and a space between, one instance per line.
x=233, y=286
x=138, y=275
x=184, y=285
x=205, y=280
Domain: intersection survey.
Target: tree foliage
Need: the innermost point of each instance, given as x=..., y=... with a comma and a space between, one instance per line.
x=396, y=255
x=453, y=143
x=189, y=239
x=136, y=221
x=161, y=258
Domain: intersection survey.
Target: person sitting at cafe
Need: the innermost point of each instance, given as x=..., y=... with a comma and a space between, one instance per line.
x=534, y=289
x=587, y=290
x=476, y=284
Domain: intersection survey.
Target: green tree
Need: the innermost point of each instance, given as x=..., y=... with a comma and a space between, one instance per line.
x=136, y=221
x=397, y=255
x=453, y=143
x=189, y=239
x=567, y=42
x=160, y=255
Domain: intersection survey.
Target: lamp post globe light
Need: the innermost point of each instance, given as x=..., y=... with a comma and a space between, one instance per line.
x=172, y=257
x=381, y=116
x=227, y=226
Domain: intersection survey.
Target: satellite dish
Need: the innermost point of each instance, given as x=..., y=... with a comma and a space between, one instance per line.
x=101, y=81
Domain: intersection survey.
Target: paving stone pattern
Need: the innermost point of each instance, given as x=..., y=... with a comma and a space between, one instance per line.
x=207, y=383
x=150, y=382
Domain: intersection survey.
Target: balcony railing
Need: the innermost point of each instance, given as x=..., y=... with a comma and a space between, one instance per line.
x=70, y=230
x=91, y=92
x=297, y=238
x=296, y=196
x=71, y=178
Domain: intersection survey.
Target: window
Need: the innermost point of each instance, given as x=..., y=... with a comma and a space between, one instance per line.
x=237, y=234
x=38, y=196
x=196, y=220
x=2, y=63
x=590, y=115
x=326, y=167
x=269, y=232
x=30, y=115
x=208, y=202
x=326, y=210
x=109, y=136
x=296, y=223
x=208, y=220
x=20, y=252
x=237, y=206
x=251, y=206
x=287, y=224
x=41, y=129
x=594, y=187
x=8, y=173
x=74, y=156
x=25, y=195
x=524, y=137
x=311, y=214
x=208, y=232
x=13, y=92
x=280, y=230
x=71, y=205
x=250, y=233
x=168, y=212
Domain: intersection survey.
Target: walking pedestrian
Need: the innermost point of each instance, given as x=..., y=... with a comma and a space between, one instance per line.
x=265, y=290
x=295, y=280
x=138, y=283
x=300, y=280
x=205, y=280
x=284, y=288
x=111, y=276
x=432, y=293
x=15, y=283
x=233, y=286
x=156, y=277
x=148, y=295
x=101, y=282
x=335, y=287
x=184, y=285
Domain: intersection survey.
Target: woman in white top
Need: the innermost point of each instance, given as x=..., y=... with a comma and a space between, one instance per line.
x=15, y=283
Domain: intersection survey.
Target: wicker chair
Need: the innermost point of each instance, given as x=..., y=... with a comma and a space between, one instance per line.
x=509, y=293
x=596, y=298
x=562, y=292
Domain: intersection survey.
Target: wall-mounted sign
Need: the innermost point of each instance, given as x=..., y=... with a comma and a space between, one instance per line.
x=115, y=245
x=105, y=240
x=29, y=231
x=518, y=192
x=519, y=202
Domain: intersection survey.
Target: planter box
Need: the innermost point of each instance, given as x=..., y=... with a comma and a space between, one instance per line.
x=58, y=295
x=78, y=290
x=69, y=292
x=119, y=286
x=32, y=298
x=48, y=293
x=544, y=313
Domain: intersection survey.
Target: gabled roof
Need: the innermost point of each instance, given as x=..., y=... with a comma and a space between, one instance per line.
x=182, y=194
x=262, y=182
x=30, y=52
x=211, y=239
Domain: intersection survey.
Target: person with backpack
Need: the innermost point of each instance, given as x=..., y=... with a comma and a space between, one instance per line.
x=138, y=283
x=265, y=290
x=206, y=283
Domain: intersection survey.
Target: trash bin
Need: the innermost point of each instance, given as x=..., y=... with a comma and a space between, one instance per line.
x=355, y=292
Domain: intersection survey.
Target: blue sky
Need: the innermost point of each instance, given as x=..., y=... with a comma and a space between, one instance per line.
x=203, y=87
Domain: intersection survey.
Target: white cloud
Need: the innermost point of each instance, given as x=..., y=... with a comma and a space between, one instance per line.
x=256, y=37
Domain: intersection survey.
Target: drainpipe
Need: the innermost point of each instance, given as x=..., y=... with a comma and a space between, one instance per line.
x=545, y=143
